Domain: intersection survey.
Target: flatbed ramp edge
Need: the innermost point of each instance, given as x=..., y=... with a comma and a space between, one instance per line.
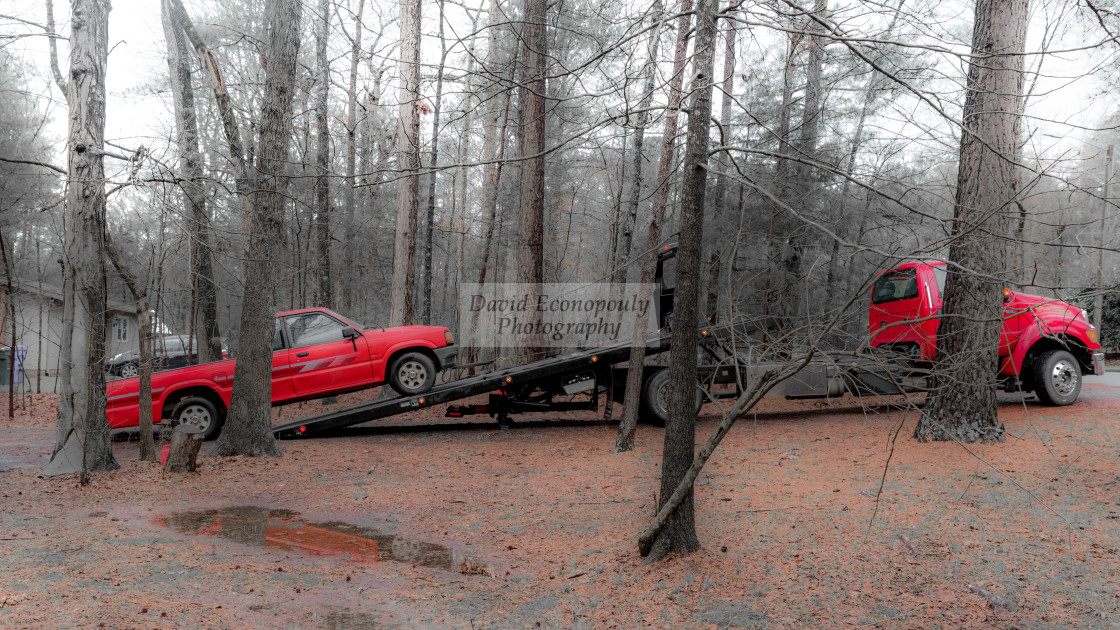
x=571, y=363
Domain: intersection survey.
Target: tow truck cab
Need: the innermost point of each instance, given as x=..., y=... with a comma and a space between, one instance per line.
x=1045, y=344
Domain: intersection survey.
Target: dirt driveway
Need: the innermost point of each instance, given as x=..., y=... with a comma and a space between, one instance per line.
x=468, y=526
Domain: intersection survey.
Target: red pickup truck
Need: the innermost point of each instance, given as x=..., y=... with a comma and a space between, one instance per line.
x=1045, y=344
x=316, y=353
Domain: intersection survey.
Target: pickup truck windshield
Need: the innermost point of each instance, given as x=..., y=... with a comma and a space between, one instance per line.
x=896, y=285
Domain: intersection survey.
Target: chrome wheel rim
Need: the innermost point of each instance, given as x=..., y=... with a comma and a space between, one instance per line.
x=196, y=417
x=130, y=371
x=412, y=374
x=1064, y=377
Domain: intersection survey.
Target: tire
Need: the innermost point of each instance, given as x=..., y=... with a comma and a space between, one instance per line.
x=654, y=405
x=130, y=370
x=200, y=413
x=1057, y=378
x=412, y=373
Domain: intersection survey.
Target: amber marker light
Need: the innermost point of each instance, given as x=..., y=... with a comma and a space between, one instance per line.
x=509, y=379
x=1092, y=336
x=594, y=359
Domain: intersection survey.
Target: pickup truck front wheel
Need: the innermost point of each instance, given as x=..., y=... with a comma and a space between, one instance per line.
x=1057, y=378
x=412, y=373
x=198, y=413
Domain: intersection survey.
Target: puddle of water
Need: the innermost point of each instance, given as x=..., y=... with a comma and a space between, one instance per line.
x=284, y=530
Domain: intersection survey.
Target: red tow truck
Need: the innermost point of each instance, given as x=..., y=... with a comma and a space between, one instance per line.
x=1045, y=344
x=316, y=353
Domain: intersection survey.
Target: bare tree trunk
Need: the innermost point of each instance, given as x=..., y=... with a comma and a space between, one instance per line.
x=433, y=159
x=531, y=127
x=874, y=84
x=777, y=250
x=249, y=423
x=726, y=104
x=962, y=405
x=205, y=316
x=408, y=163
x=344, y=279
x=807, y=149
x=230, y=129
x=679, y=533
x=144, y=325
x=84, y=444
x=324, y=295
x=625, y=439
x=9, y=305
x=630, y=218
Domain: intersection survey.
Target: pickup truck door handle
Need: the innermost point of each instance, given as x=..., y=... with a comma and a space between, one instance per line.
x=303, y=354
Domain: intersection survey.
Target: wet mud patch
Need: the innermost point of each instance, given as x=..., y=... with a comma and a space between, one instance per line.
x=285, y=530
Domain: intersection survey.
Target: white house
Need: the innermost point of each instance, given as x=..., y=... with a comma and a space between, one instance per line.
x=38, y=326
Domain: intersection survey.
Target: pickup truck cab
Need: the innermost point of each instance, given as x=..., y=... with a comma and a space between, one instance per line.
x=315, y=353
x=1045, y=344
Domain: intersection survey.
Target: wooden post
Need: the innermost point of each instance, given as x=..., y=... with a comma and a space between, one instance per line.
x=185, y=442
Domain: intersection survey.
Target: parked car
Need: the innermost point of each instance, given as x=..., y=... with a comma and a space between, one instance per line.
x=315, y=353
x=168, y=353
x=1045, y=346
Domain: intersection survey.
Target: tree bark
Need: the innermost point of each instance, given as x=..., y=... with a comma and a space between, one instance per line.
x=433, y=159
x=531, y=127
x=194, y=196
x=401, y=302
x=144, y=325
x=726, y=104
x=182, y=454
x=630, y=217
x=324, y=295
x=249, y=422
x=625, y=439
x=962, y=403
x=679, y=533
x=344, y=280
x=82, y=417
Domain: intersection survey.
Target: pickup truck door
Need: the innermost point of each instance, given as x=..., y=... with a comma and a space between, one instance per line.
x=322, y=358
x=282, y=389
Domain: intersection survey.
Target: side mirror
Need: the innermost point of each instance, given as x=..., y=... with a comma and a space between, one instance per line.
x=350, y=333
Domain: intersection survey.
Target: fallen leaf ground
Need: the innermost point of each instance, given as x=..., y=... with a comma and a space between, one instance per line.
x=795, y=530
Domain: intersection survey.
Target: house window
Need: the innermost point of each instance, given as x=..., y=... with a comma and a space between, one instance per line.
x=120, y=328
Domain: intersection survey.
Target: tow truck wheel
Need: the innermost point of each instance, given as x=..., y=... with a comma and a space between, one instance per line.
x=1057, y=378
x=654, y=407
x=130, y=370
x=412, y=373
x=198, y=413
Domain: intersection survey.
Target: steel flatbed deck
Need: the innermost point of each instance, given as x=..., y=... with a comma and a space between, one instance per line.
x=552, y=369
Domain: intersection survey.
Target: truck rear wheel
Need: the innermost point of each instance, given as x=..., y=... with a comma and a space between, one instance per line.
x=654, y=405
x=199, y=413
x=412, y=373
x=1057, y=378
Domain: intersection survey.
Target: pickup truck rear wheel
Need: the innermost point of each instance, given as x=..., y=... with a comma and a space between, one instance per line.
x=1057, y=378
x=199, y=413
x=412, y=373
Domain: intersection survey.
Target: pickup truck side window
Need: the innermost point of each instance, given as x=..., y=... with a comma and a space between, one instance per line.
x=313, y=329
x=939, y=274
x=278, y=338
x=892, y=286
